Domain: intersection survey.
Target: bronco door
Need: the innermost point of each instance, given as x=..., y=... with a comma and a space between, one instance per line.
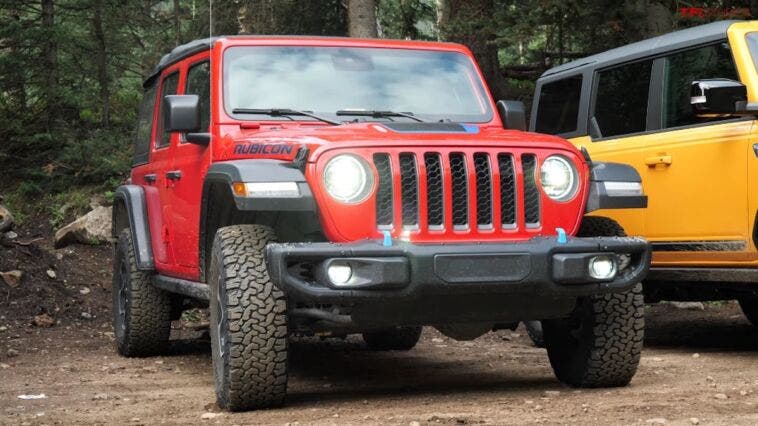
x=696, y=177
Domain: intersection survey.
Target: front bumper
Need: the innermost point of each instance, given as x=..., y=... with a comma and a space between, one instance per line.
x=540, y=267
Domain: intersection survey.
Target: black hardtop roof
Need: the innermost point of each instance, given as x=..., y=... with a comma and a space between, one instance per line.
x=672, y=41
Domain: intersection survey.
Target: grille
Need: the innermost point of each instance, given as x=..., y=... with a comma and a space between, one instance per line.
x=462, y=190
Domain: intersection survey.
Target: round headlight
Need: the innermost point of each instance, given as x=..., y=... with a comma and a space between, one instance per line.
x=558, y=178
x=348, y=179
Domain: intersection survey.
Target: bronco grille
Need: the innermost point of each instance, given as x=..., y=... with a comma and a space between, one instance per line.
x=458, y=190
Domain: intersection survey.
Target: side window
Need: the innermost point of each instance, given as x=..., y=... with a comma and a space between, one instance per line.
x=681, y=70
x=558, y=108
x=621, y=99
x=168, y=87
x=199, y=83
x=144, y=125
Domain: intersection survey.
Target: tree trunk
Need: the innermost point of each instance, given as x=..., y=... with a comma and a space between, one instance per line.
x=102, y=64
x=177, y=23
x=470, y=22
x=17, y=86
x=50, y=58
x=361, y=18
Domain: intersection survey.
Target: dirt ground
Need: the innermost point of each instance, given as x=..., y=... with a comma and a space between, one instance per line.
x=698, y=367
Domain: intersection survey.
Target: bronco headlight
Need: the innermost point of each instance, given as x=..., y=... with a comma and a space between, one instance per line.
x=348, y=179
x=559, y=178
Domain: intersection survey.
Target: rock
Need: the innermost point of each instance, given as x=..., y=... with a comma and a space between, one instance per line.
x=743, y=393
x=100, y=397
x=33, y=396
x=656, y=421
x=86, y=315
x=4, y=365
x=696, y=355
x=51, y=274
x=720, y=396
x=694, y=421
x=11, y=353
x=691, y=306
x=93, y=227
x=552, y=393
x=414, y=423
x=12, y=278
x=43, y=320
x=11, y=235
x=6, y=219
x=84, y=290
x=209, y=416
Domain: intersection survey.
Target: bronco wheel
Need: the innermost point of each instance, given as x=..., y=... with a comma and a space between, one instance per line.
x=394, y=339
x=599, y=344
x=750, y=309
x=141, y=311
x=248, y=321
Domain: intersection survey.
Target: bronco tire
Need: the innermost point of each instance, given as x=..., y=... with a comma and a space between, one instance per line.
x=394, y=339
x=141, y=311
x=750, y=309
x=599, y=345
x=248, y=321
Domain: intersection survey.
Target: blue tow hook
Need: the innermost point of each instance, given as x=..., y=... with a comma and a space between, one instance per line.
x=562, y=239
x=387, y=242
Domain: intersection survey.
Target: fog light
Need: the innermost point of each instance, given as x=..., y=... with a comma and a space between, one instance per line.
x=602, y=267
x=339, y=273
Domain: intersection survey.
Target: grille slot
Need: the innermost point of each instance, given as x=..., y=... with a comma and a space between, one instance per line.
x=435, y=208
x=531, y=192
x=384, y=204
x=459, y=179
x=507, y=190
x=409, y=189
x=483, y=190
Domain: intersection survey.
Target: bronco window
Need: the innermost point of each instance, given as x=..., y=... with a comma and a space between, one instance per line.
x=431, y=85
x=621, y=99
x=558, y=108
x=681, y=70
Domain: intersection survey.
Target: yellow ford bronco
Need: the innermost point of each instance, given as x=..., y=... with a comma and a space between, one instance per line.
x=682, y=109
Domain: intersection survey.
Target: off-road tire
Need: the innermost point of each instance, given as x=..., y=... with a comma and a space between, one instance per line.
x=599, y=345
x=534, y=331
x=394, y=339
x=141, y=311
x=248, y=315
x=750, y=309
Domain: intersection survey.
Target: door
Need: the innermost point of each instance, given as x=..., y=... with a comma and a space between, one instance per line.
x=696, y=176
x=189, y=164
x=158, y=188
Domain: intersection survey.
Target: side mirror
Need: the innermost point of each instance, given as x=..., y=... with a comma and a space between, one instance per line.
x=513, y=114
x=718, y=96
x=181, y=113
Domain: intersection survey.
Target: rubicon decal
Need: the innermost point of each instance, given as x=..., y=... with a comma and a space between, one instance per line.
x=260, y=148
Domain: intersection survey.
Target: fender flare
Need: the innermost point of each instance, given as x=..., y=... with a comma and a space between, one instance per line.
x=133, y=199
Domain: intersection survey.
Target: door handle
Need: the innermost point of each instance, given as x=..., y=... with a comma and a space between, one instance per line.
x=151, y=178
x=663, y=160
x=174, y=175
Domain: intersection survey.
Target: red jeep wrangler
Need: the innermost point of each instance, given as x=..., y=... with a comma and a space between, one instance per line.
x=335, y=186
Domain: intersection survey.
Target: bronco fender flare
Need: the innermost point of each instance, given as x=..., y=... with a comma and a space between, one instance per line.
x=130, y=210
x=262, y=171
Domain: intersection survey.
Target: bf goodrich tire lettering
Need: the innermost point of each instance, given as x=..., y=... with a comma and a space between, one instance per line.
x=600, y=344
x=248, y=321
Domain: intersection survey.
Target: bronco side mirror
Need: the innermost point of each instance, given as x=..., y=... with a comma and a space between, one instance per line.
x=181, y=113
x=513, y=114
x=718, y=96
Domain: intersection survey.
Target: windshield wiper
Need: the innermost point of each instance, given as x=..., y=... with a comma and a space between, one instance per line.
x=378, y=114
x=283, y=112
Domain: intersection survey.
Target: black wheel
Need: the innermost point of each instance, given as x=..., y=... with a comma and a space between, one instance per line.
x=394, y=339
x=248, y=321
x=534, y=330
x=750, y=309
x=599, y=344
x=141, y=311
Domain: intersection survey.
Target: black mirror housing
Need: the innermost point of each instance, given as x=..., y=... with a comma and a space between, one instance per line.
x=513, y=114
x=181, y=113
x=718, y=96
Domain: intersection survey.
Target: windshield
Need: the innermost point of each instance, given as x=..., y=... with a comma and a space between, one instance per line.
x=430, y=85
x=752, y=43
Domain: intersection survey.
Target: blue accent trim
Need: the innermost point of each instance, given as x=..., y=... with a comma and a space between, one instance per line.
x=562, y=239
x=387, y=242
x=470, y=128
